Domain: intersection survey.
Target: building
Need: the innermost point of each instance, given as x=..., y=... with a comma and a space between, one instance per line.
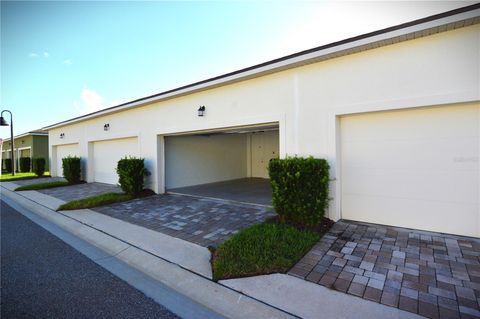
x=32, y=144
x=396, y=113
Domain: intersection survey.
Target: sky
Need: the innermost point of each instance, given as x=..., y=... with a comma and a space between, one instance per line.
x=63, y=59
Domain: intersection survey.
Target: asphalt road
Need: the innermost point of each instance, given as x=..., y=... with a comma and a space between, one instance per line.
x=42, y=277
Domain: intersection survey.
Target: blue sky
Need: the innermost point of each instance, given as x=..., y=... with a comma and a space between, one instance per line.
x=63, y=59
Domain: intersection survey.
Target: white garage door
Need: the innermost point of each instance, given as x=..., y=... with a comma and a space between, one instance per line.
x=415, y=168
x=64, y=151
x=106, y=154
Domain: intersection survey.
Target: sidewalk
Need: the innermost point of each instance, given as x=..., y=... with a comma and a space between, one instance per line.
x=185, y=268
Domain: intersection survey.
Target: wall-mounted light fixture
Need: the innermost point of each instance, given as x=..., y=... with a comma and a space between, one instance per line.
x=62, y=135
x=106, y=127
x=201, y=110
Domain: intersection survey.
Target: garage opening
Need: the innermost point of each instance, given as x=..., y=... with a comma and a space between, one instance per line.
x=230, y=164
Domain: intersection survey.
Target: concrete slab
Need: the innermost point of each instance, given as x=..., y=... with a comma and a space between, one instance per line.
x=9, y=185
x=42, y=199
x=308, y=300
x=223, y=300
x=188, y=255
x=245, y=190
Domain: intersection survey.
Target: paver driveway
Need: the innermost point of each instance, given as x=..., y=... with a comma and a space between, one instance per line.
x=432, y=274
x=79, y=191
x=206, y=222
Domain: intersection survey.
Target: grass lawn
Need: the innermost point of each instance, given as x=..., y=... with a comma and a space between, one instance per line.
x=103, y=199
x=34, y=187
x=262, y=249
x=7, y=177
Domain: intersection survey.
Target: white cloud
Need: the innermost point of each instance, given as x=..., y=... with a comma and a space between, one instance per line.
x=67, y=62
x=91, y=101
x=46, y=54
x=33, y=55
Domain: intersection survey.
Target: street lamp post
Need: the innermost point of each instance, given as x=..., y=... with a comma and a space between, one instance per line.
x=5, y=123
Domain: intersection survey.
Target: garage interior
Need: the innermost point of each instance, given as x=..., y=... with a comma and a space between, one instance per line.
x=229, y=164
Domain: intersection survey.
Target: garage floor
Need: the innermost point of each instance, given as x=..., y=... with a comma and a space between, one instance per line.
x=246, y=190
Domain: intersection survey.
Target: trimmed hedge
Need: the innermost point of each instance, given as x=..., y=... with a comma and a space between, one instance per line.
x=39, y=166
x=8, y=165
x=299, y=189
x=131, y=173
x=71, y=169
x=25, y=164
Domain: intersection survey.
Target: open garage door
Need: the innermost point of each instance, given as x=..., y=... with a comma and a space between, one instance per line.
x=230, y=164
x=416, y=168
x=64, y=151
x=106, y=155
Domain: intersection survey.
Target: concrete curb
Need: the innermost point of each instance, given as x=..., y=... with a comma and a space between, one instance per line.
x=213, y=296
x=188, y=255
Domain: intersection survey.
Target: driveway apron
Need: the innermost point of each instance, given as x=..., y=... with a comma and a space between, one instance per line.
x=432, y=274
x=207, y=222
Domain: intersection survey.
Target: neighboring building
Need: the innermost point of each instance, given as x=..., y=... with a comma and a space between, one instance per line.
x=32, y=144
x=395, y=112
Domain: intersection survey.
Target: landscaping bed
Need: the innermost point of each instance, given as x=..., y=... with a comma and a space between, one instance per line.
x=20, y=176
x=103, y=199
x=300, y=189
x=266, y=248
x=38, y=186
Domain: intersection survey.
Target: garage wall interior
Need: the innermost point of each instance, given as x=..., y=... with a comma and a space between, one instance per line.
x=396, y=113
x=214, y=157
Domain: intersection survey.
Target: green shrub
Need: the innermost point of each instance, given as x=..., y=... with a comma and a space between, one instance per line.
x=39, y=166
x=131, y=172
x=71, y=169
x=7, y=163
x=25, y=164
x=299, y=189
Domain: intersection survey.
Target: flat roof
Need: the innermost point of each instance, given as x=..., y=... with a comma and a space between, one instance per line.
x=445, y=21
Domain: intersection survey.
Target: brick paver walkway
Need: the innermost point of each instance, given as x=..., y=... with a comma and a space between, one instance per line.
x=206, y=222
x=38, y=180
x=79, y=191
x=434, y=275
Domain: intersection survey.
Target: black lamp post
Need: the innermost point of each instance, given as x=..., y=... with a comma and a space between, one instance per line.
x=5, y=123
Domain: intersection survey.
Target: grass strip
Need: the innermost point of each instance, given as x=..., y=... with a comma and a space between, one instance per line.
x=20, y=176
x=34, y=187
x=94, y=201
x=262, y=249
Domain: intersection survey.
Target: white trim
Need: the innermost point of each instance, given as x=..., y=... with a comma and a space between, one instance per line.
x=404, y=34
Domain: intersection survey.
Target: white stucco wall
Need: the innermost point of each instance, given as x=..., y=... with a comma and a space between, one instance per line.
x=193, y=160
x=305, y=101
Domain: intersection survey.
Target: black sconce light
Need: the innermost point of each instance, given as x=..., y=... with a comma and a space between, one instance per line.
x=201, y=110
x=62, y=135
x=106, y=127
